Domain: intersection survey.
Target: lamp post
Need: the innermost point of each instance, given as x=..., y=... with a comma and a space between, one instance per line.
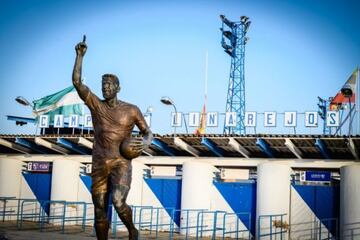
x=149, y=112
x=23, y=101
x=168, y=101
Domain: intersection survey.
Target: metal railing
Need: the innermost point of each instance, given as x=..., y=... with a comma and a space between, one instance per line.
x=208, y=224
x=44, y=212
x=276, y=226
x=149, y=220
x=237, y=231
x=327, y=235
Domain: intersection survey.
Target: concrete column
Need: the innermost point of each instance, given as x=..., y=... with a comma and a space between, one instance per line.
x=10, y=177
x=350, y=202
x=195, y=191
x=64, y=187
x=135, y=195
x=273, y=196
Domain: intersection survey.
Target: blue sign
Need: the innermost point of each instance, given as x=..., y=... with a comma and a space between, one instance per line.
x=317, y=176
x=39, y=166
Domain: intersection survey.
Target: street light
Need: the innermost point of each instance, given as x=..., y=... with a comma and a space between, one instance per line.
x=168, y=101
x=23, y=101
x=149, y=112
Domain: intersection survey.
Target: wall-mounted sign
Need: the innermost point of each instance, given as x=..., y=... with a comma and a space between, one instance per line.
x=88, y=168
x=315, y=176
x=176, y=119
x=39, y=166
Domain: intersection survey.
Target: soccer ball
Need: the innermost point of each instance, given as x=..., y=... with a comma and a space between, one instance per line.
x=126, y=151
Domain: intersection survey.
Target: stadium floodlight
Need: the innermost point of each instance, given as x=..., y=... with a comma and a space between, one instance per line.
x=346, y=90
x=243, y=19
x=247, y=25
x=227, y=34
x=226, y=21
x=23, y=101
x=228, y=49
x=246, y=40
x=225, y=46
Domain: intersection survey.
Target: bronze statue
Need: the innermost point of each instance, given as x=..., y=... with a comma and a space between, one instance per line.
x=113, y=122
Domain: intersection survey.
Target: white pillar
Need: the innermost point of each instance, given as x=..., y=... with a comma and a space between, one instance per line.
x=64, y=187
x=196, y=188
x=10, y=177
x=272, y=195
x=10, y=183
x=65, y=180
x=350, y=202
x=135, y=195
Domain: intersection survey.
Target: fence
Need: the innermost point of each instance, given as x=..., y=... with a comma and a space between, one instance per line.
x=275, y=227
x=186, y=223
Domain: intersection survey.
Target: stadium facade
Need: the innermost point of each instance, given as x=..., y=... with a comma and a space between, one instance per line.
x=251, y=186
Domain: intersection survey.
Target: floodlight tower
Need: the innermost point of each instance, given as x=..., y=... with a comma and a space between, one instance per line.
x=233, y=41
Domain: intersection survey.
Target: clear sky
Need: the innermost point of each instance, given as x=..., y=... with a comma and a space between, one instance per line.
x=298, y=50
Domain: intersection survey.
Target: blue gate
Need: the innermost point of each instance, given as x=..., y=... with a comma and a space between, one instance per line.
x=324, y=202
x=241, y=196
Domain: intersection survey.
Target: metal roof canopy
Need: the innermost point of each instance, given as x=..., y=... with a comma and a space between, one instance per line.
x=209, y=145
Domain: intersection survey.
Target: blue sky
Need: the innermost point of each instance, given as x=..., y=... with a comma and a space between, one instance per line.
x=298, y=50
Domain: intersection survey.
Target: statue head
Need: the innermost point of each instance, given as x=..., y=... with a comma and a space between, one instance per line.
x=110, y=86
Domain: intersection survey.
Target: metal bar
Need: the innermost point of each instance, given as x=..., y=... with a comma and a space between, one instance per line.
x=186, y=147
x=249, y=227
x=235, y=145
x=291, y=146
x=352, y=148
x=25, y=143
x=71, y=146
x=14, y=146
x=50, y=145
x=265, y=147
x=270, y=227
x=84, y=142
x=20, y=119
x=237, y=228
x=212, y=147
x=163, y=147
x=320, y=144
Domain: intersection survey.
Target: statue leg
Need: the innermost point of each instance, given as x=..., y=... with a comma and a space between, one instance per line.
x=100, y=197
x=101, y=205
x=121, y=180
x=120, y=193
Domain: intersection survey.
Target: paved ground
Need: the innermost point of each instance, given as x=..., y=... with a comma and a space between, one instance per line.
x=30, y=231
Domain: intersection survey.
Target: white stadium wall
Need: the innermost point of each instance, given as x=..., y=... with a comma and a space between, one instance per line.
x=272, y=193
x=10, y=177
x=350, y=202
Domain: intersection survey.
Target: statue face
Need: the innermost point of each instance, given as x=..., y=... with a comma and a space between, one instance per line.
x=109, y=88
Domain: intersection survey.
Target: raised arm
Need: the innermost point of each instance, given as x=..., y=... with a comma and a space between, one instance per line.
x=80, y=49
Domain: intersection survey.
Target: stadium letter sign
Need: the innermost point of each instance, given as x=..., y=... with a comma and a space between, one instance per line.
x=212, y=119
